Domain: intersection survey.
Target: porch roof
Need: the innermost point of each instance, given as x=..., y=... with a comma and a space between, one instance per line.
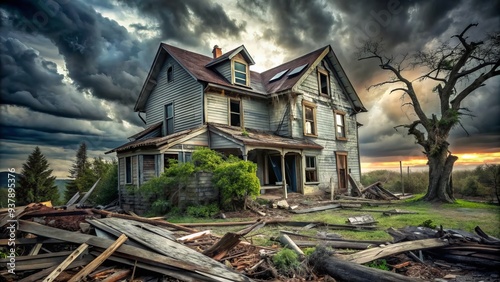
x=157, y=142
x=262, y=138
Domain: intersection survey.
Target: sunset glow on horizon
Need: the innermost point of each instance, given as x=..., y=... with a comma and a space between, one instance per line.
x=465, y=161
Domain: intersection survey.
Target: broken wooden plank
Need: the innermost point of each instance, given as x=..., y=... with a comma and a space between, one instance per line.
x=43, y=273
x=324, y=238
x=380, y=252
x=218, y=250
x=194, y=236
x=99, y=260
x=180, y=257
x=343, y=270
x=145, y=220
x=61, y=267
x=356, y=191
x=34, y=251
x=73, y=199
x=361, y=219
x=316, y=209
x=119, y=275
x=88, y=193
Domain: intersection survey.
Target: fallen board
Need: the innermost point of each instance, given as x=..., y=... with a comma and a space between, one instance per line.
x=316, y=209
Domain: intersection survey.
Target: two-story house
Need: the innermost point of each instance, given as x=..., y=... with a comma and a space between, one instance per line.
x=296, y=121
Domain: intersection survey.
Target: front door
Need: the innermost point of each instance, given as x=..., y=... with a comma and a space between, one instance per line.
x=342, y=171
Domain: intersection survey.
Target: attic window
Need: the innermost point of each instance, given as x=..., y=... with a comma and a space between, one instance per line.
x=170, y=73
x=324, y=83
x=240, y=71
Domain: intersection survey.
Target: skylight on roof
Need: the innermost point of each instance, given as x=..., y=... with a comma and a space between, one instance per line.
x=297, y=70
x=278, y=75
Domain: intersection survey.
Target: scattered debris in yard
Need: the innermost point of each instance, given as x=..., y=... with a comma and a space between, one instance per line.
x=85, y=244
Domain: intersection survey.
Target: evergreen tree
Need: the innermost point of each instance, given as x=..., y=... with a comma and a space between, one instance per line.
x=36, y=183
x=79, y=168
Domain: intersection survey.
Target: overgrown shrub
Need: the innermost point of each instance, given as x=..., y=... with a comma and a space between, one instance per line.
x=286, y=260
x=106, y=190
x=237, y=181
x=207, y=160
x=379, y=264
x=472, y=187
x=205, y=211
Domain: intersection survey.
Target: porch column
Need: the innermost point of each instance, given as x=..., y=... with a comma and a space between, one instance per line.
x=283, y=178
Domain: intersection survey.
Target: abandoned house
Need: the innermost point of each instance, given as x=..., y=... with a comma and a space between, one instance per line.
x=296, y=121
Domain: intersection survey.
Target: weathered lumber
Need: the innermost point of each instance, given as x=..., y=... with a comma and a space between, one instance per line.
x=361, y=219
x=288, y=242
x=73, y=199
x=370, y=202
x=30, y=241
x=336, y=244
x=349, y=271
x=356, y=191
x=370, y=186
x=145, y=220
x=35, y=250
x=324, y=238
x=316, y=209
x=485, y=238
x=177, y=259
x=99, y=260
x=43, y=273
x=387, y=212
x=218, y=250
x=120, y=274
x=43, y=213
x=60, y=268
x=88, y=193
x=194, y=236
x=380, y=252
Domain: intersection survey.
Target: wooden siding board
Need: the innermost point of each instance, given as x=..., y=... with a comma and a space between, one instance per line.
x=184, y=92
x=217, y=108
x=225, y=70
x=278, y=113
x=255, y=113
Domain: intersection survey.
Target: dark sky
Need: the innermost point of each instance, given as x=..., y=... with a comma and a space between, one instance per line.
x=72, y=70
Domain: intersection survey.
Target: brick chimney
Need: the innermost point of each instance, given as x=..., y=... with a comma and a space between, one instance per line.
x=217, y=51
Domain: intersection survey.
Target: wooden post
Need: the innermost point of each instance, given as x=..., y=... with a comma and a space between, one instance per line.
x=401, y=173
x=283, y=176
x=332, y=188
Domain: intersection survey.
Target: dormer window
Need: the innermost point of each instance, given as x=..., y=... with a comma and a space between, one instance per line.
x=240, y=73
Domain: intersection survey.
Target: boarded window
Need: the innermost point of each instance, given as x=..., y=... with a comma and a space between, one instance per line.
x=311, y=169
x=169, y=119
x=240, y=73
x=235, y=112
x=128, y=170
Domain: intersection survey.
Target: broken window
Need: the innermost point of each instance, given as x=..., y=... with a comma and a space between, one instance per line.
x=323, y=83
x=170, y=74
x=340, y=125
x=128, y=170
x=309, y=119
x=234, y=112
x=311, y=169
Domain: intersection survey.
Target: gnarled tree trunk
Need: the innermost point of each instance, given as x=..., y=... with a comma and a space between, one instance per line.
x=440, y=170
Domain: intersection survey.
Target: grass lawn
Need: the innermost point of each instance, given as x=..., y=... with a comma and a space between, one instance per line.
x=462, y=215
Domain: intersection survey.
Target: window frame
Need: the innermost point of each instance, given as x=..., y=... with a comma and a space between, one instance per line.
x=320, y=88
x=314, y=128
x=128, y=170
x=343, y=126
x=166, y=118
x=308, y=169
x=170, y=73
x=230, y=113
x=234, y=71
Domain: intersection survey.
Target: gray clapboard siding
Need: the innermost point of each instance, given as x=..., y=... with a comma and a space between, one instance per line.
x=184, y=92
x=219, y=142
x=279, y=113
x=224, y=69
x=255, y=113
x=217, y=108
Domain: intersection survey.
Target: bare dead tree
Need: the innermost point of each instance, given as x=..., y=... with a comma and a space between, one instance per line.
x=466, y=65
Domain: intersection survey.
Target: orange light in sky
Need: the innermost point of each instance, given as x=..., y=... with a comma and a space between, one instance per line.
x=468, y=160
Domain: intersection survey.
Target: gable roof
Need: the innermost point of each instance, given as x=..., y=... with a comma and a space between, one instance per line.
x=229, y=55
x=198, y=66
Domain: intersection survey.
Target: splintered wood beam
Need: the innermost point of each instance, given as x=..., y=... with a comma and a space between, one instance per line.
x=380, y=252
x=287, y=242
x=194, y=236
x=75, y=254
x=223, y=246
x=99, y=260
x=120, y=274
x=145, y=220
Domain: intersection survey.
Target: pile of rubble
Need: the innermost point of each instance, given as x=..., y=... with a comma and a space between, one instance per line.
x=74, y=243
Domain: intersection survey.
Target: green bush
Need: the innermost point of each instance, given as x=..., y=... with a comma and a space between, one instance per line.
x=237, y=181
x=286, y=260
x=379, y=264
x=472, y=187
x=207, y=211
x=207, y=160
x=106, y=190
